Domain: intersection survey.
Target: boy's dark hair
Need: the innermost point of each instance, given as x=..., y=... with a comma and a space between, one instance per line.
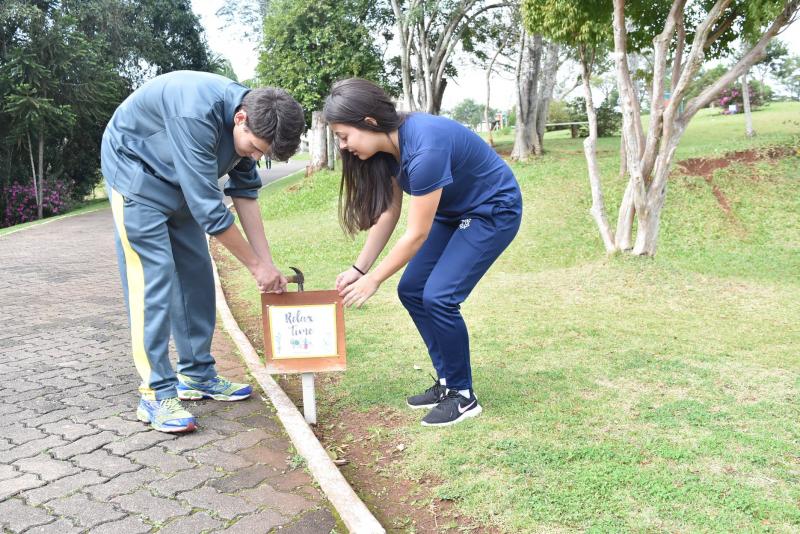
x=366, y=189
x=276, y=117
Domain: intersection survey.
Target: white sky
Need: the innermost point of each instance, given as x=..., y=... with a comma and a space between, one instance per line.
x=471, y=82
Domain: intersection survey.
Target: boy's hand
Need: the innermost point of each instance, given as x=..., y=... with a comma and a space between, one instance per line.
x=269, y=279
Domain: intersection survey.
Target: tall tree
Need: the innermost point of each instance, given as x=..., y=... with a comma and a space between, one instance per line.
x=64, y=67
x=496, y=54
x=310, y=44
x=428, y=33
x=537, y=68
x=246, y=17
x=144, y=38
x=650, y=156
x=54, y=79
x=468, y=112
x=585, y=28
x=684, y=35
x=789, y=75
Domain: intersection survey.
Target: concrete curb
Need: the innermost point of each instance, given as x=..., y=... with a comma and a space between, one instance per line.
x=350, y=508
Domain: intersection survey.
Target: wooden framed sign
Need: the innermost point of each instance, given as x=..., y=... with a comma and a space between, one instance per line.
x=303, y=332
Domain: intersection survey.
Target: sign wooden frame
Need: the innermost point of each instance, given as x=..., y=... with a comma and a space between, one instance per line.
x=303, y=364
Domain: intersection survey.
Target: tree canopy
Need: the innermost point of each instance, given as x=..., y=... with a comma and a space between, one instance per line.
x=308, y=45
x=64, y=67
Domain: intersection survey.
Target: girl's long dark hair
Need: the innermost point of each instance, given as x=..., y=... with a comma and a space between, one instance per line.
x=366, y=188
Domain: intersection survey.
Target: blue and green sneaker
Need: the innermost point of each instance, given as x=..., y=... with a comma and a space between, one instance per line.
x=217, y=388
x=166, y=415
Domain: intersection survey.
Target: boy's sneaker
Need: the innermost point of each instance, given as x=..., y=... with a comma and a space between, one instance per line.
x=166, y=415
x=429, y=398
x=217, y=388
x=452, y=409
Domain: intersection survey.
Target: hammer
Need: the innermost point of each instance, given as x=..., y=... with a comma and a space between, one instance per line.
x=296, y=278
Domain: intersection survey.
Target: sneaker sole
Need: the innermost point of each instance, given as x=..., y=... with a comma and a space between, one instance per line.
x=197, y=395
x=421, y=406
x=169, y=430
x=466, y=415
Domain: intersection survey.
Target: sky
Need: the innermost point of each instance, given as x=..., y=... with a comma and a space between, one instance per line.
x=471, y=82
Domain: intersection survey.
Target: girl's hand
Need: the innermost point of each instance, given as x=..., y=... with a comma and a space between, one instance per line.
x=359, y=291
x=346, y=278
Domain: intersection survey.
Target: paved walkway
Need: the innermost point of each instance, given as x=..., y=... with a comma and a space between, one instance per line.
x=73, y=458
x=280, y=169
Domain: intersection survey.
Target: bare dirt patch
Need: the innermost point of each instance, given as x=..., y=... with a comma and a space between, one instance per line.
x=370, y=462
x=705, y=167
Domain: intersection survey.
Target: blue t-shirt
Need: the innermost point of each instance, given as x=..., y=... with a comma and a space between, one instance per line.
x=437, y=152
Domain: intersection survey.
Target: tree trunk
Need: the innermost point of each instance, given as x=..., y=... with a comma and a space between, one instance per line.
x=331, y=148
x=438, y=95
x=598, y=209
x=318, y=145
x=405, y=54
x=488, y=94
x=649, y=219
x=33, y=171
x=625, y=218
x=528, y=68
x=547, y=86
x=40, y=198
x=748, y=118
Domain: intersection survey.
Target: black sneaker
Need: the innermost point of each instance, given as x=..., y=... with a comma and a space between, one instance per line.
x=429, y=398
x=453, y=408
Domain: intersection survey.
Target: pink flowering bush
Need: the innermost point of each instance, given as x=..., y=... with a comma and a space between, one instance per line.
x=20, y=202
x=730, y=96
x=733, y=95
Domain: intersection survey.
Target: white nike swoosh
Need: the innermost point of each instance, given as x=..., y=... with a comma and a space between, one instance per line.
x=467, y=407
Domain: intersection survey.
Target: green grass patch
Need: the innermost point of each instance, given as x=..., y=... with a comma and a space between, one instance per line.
x=621, y=394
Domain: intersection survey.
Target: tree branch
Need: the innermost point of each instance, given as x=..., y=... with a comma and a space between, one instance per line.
x=632, y=137
x=721, y=28
x=660, y=47
x=790, y=10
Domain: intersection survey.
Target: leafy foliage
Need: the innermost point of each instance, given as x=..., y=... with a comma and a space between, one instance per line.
x=21, y=204
x=609, y=120
x=469, y=112
x=734, y=95
x=309, y=45
x=789, y=74
x=65, y=66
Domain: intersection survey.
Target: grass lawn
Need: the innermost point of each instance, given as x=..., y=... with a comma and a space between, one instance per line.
x=621, y=394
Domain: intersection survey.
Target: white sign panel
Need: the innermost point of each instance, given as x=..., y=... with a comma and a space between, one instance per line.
x=303, y=331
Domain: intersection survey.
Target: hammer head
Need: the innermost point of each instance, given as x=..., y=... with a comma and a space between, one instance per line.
x=296, y=278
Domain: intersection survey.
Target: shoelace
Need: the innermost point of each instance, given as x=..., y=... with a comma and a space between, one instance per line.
x=222, y=383
x=450, y=397
x=172, y=404
x=435, y=386
x=216, y=382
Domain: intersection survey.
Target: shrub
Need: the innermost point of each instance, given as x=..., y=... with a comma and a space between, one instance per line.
x=609, y=121
x=759, y=93
x=20, y=202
